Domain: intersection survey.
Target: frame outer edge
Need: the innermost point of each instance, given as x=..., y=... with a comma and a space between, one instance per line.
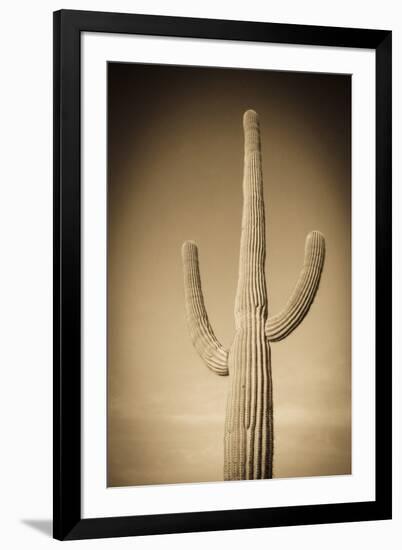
x=67, y=268
x=68, y=525
x=56, y=279
x=384, y=276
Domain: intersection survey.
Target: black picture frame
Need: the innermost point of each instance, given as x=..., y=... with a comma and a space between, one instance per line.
x=68, y=26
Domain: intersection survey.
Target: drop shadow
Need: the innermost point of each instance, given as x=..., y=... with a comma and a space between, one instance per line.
x=44, y=526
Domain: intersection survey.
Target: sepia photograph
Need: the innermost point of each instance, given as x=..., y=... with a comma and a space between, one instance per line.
x=228, y=274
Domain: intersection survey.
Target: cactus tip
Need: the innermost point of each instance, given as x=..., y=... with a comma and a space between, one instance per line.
x=315, y=238
x=250, y=117
x=316, y=233
x=188, y=247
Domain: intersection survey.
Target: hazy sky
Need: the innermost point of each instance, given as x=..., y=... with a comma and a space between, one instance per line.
x=175, y=173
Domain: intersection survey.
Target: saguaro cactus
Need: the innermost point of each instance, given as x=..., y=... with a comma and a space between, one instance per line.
x=249, y=441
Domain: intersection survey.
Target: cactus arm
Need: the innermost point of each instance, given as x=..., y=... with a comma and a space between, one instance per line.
x=281, y=325
x=202, y=335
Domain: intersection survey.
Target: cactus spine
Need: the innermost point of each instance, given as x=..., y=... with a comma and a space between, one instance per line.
x=248, y=439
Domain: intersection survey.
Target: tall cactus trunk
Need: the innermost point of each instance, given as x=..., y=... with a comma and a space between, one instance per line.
x=248, y=447
x=248, y=438
x=248, y=426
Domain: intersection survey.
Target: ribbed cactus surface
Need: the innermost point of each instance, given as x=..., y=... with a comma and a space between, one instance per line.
x=249, y=439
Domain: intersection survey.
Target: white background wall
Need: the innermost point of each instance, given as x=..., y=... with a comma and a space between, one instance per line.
x=26, y=270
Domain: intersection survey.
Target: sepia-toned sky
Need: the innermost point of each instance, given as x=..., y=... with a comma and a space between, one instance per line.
x=175, y=162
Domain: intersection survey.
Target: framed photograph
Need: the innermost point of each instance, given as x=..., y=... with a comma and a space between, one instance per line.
x=222, y=274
